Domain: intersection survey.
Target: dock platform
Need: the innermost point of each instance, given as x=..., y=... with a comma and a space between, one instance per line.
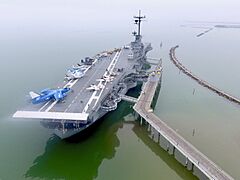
x=170, y=140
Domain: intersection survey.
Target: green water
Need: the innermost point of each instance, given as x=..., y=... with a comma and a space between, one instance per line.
x=39, y=40
x=107, y=153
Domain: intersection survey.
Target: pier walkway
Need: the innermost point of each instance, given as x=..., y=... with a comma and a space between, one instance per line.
x=170, y=140
x=200, y=81
x=128, y=98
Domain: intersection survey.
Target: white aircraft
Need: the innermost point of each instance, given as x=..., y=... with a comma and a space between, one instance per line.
x=104, y=54
x=106, y=79
x=74, y=74
x=94, y=87
x=113, y=74
x=79, y=66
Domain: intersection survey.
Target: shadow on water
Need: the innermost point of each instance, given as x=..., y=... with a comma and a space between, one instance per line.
x=80, y=156
x=144, y=135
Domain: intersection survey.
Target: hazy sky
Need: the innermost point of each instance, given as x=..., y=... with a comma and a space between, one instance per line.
x=27, y=17
x=67, y=11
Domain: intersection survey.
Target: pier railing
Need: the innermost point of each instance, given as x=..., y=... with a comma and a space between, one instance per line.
x=171, y=141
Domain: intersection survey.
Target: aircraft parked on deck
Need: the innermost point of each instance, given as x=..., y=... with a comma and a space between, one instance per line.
x=49, y=94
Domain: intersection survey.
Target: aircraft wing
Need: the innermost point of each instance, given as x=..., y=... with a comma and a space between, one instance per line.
x=45, y=91
x=90, y=88
x=58, y=95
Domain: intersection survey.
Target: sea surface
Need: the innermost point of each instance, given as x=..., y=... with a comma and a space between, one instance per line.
x=38, y=42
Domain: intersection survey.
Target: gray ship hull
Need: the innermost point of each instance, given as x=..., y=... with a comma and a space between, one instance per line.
x=105, y=78
x=63, y=130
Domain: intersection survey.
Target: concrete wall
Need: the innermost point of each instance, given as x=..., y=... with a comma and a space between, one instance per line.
x=170, y=148
x=155, y=135
x=199, y=173
x=136, y=115
x=180, y=157
x=189, y=165
x=164, y=143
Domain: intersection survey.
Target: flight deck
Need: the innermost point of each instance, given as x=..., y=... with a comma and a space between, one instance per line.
x=80, y=101
x=90, y=89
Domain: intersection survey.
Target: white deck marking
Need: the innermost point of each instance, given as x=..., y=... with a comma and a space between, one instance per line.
x=115, y=62
x=70, y=84
x=89, y=102
x=44, y=106
x=109, y=70
x=51, y=106
x=50, y=101
x=86, y=84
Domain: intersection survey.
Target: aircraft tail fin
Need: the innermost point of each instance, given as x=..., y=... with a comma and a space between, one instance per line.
x=33, y=94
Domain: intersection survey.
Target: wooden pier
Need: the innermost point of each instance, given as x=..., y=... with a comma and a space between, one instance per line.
x=170, y=140
x=200, y=81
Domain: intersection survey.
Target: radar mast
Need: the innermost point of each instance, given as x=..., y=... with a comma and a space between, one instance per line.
x=138, y=20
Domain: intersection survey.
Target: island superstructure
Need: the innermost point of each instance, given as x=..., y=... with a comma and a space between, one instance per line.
x=104, y=78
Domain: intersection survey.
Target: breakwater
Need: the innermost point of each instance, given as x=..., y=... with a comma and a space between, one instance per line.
x=203, y=83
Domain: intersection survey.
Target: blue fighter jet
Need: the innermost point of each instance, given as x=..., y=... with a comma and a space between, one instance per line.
x=49, y=94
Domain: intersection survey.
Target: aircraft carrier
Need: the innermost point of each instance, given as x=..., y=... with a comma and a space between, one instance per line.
x=107, y=76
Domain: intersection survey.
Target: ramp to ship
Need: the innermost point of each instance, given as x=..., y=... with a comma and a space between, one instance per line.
x=171, y=141
x=128, y=98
